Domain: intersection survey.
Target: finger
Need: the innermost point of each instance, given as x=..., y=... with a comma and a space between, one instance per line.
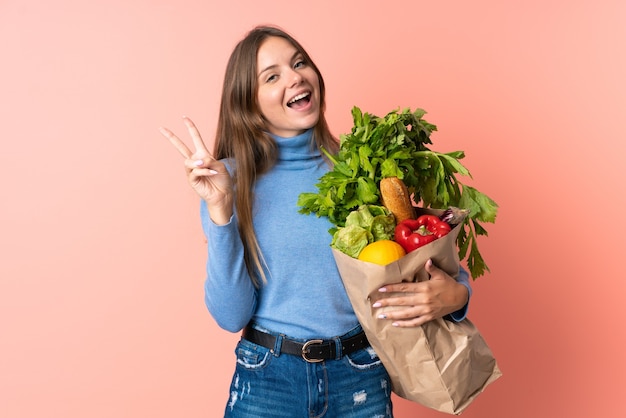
x=410, y=299
x=403, y=287
x=400, y=313
x=180, y=145
x=400, y=301
x=411, y=323
x=408, y=317
x=195, y=136
x=396, y=287
x=432, y=269
x=199, y=163
x=202, y=172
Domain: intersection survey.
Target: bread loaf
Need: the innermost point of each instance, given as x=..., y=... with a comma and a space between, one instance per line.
x=395, y=196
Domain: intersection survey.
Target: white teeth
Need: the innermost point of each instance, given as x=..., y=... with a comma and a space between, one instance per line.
x=298, y=97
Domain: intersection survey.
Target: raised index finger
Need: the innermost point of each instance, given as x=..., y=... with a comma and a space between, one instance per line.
x=180, y=145
x=195, y=136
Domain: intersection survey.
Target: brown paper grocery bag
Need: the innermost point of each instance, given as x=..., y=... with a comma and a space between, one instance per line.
x=442, y=364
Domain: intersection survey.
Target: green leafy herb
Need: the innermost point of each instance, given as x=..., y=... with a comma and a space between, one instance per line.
x=397, y=146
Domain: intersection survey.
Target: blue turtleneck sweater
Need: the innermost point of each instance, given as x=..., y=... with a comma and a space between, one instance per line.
x=304, y=296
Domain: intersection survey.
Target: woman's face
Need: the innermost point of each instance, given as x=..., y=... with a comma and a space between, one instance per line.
x=288, y=88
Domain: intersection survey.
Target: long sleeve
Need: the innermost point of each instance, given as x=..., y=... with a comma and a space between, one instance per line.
x=301, y=272
x=230, y=295
x=463, y=278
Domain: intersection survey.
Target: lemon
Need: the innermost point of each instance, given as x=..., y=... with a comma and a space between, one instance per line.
x=382, y=252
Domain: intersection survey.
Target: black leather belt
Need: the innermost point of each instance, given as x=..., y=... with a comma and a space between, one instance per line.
x=312, y=351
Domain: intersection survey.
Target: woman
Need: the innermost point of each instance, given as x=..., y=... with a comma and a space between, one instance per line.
x=270, y=269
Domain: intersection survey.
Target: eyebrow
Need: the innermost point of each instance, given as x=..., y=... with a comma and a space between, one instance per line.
x=295, y=54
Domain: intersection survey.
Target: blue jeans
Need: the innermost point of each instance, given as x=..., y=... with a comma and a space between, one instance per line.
x=269, y=384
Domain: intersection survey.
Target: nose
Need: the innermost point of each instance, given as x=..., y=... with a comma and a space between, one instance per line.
x=296, y=78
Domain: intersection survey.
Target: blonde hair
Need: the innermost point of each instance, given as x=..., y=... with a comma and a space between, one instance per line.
x=242, y=135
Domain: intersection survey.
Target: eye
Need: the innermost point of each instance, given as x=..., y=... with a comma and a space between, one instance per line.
x=299, y=63
x=271, y=78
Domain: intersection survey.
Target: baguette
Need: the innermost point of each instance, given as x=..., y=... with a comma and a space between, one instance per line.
x=395, y=196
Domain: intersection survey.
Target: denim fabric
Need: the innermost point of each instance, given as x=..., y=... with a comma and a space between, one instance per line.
x=269, y=384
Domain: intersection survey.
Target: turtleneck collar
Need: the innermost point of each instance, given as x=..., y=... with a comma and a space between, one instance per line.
x=297, y=148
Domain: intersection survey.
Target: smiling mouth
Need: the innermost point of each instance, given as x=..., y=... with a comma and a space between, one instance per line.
x=300, y=100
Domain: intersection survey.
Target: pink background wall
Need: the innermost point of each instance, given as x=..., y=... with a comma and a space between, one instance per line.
x=102, y=256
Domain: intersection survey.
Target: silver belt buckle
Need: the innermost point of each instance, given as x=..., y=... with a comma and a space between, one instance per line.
x=305, y=351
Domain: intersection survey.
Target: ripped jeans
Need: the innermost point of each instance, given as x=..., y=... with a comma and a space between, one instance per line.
x=267, y=384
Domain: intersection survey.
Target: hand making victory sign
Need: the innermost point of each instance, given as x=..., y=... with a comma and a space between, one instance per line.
x=206, y=175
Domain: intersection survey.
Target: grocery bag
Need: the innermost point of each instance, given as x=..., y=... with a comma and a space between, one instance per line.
x=443, y=364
